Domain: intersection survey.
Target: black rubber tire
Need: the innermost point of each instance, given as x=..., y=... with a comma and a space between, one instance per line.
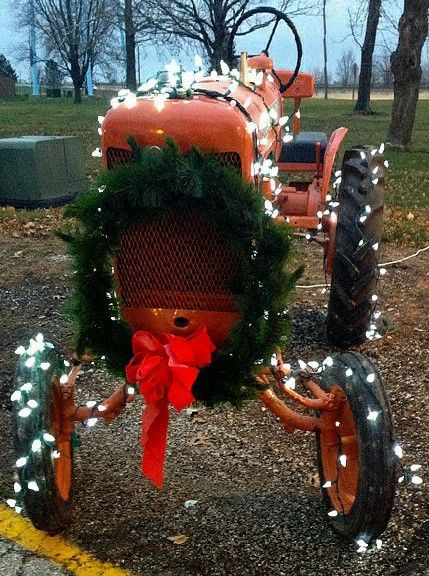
x=47, y=508
x=368, y=515
x=355, y=268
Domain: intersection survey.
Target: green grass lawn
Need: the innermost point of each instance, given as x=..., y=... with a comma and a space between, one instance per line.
x=408, y=178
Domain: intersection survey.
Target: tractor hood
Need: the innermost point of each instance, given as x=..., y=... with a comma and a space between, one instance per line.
x=210, y=123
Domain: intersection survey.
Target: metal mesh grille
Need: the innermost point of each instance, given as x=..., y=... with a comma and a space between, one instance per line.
x=177, y=261
x=117, y=156
x=231, y=159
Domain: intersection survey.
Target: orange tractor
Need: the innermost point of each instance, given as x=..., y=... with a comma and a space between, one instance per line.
x=182, y=252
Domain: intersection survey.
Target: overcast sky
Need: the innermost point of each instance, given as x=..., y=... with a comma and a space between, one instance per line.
x=310, y=28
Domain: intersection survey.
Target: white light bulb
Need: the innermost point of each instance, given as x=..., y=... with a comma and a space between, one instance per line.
x=36, y=445
x=375, y=170
x=287, y=138
x=375, y=181
x=32, y=403
x=337, y=424
x=383, y=271
x=343, y=460
x=32, y=485
x=64, y=379
x=224, y=68
x=333, y=513
x=11, y=502
x=17, y=487
x=381, y=149
x=131, y=391
x=100, y=119
x=328, y=361
x=90, y=403
x=386, y=163
x=415, y=467
x=398, y=451
x=362, y=543
x=283, y=120
x=20, y=350
x=101, y=408
x=251, y=127
x=268, y=205
x=370, y=378
x=55, y=454
x=91, y=422
x=48, y=437
x=373, y=415
x=24, y=412
x=16, y=396
x=29, y=363
x=290, y=383
x=21, y=462
x=416, y=480
x=327, y=484
x=379, y=543
x=374, y=297
x=363, y=155
x=349, y=372
x=45, y=365
x=362, y=218
x=97, y=153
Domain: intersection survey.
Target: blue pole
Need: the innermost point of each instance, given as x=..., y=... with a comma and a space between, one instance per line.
x=33, y=58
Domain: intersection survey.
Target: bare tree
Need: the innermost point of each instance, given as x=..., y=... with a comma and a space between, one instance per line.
x=345, y=68
x=372, y=10
x=73, y=29
x=208, y=22
x=407, y=70
x=382, y=71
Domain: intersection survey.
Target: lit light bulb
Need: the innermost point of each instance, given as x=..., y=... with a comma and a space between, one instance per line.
x=91, y=422
x=21, y=462
x=327, y=484
x=29, y=363
x=398, y=451
x=48, y=437
x=131, y=391
x=36, y=445
x=373, y=415
x=17, y=487
x=97, y=153
x=32, y=403
x=24, y=412
x=20, y=350
x=16, y=396
x=333, y=513
x=32, y=485
x=343, y=460
x=370, y=378
x=45, y=365
x=416, y=480
x=349, y=372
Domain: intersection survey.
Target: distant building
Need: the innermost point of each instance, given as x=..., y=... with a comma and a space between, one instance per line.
x=7, y=86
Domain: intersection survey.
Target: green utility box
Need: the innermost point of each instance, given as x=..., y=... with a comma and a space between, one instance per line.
x=40, y=171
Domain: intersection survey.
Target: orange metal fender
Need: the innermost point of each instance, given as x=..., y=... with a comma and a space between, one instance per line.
x=330, y=224
x=334, y=143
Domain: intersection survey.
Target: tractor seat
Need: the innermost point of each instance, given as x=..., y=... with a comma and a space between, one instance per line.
x=302, y=149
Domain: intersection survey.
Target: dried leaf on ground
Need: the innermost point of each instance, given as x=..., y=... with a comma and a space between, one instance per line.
x=178, y=539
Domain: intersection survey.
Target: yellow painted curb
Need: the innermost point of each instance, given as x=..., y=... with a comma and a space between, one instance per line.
x=55, y=548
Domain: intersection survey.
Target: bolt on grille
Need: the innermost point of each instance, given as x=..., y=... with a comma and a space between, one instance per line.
x=178, y=261
x=118, y=156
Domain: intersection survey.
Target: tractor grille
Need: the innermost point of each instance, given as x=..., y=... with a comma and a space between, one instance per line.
x=178, y=261
x=118, y=156
x=231, y=159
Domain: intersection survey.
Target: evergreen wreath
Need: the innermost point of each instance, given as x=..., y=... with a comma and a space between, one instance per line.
x=146, y=189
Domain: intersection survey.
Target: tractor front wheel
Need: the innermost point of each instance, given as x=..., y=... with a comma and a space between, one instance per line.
x=358, y=234
x=42, y=438
x=357, y=463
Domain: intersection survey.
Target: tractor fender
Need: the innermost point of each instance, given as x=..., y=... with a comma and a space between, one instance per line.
x=332, y=147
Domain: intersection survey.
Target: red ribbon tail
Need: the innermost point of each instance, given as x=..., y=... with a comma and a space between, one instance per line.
x=154, y=440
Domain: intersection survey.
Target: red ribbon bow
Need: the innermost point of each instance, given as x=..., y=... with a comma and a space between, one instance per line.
x=165, y=374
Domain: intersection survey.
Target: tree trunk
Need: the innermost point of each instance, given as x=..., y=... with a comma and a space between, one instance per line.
x=130, y=46
x=407, y=70
x=76, y=74
x=325, y=51
x=365, y=75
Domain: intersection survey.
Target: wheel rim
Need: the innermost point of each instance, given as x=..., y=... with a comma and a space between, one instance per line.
x=62, y=465
x=336, y=441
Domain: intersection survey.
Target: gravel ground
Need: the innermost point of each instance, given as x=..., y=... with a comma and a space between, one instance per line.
x=258, y=509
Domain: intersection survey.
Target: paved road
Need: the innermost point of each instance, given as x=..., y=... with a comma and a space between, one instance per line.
x=15, y=561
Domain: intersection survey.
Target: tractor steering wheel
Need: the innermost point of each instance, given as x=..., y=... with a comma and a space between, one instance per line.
x=278, y=17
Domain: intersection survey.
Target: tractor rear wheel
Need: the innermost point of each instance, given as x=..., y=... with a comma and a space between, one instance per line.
x=357, y=463
x=42, y=440
x=355, y=267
